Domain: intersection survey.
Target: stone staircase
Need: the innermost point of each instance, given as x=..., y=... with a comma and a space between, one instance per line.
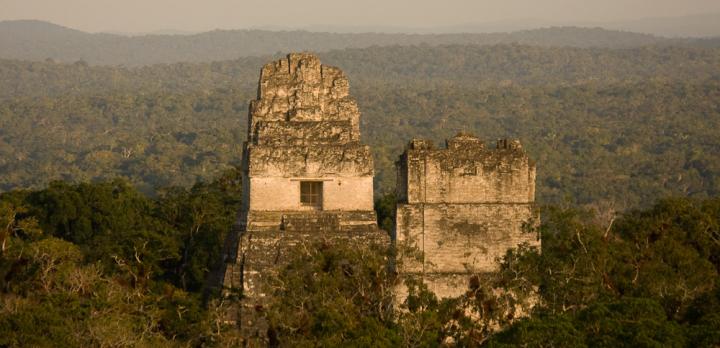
x=310, y=221
x=319, y=222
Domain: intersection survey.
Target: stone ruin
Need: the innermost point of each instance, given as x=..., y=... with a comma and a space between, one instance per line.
x=306, y=177
x=460, y=208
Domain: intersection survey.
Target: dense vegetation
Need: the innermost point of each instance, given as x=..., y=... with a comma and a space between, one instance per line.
x=101, y=264
x=625, y=126
x=35, y=40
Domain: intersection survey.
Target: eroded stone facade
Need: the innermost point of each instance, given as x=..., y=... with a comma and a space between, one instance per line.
x=460, y=208
x=306, y=177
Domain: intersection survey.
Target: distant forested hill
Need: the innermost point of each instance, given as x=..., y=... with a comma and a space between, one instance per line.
x=408, y=66
x=620, y=125
x=37, y=41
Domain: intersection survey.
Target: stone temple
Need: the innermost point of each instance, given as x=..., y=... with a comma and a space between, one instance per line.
x=306, y=176
x=460, y=208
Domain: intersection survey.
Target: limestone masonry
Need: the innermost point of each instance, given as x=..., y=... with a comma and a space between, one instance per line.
x=460, y=208
x=307, y=177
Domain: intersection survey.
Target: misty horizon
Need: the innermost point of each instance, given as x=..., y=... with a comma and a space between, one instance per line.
x=186, y=17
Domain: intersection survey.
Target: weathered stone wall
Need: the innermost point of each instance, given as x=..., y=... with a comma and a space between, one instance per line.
x=303, y=132
x=457, y=238
x=304, y=161
x=467, y=172
x=461, y=208
x=339, y=193
x=300, y=88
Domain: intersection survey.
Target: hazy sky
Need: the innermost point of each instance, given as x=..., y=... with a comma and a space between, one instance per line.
x=195, y=15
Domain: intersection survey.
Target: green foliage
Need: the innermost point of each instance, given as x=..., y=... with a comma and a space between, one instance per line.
x=629, y=322
x=102, y=264
x=578, y=259
x=666, y=253
x=706, y=332
x=110, y=222
x=625, y=323
x=201, y=218
x=331, y=295
x=675, y=251
x=647, y=278
x=554, y=331
x=385, y=207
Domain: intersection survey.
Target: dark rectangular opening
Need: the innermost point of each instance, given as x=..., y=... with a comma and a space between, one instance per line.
x=311, y=193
